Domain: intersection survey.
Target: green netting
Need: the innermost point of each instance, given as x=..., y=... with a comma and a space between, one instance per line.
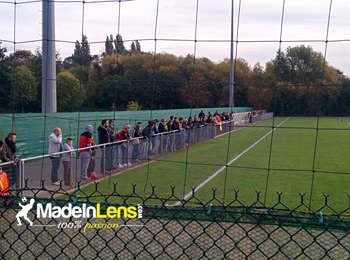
x=33, y=129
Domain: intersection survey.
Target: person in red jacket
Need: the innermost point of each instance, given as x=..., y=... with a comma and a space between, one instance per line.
x=85, y=141
x=124, y=134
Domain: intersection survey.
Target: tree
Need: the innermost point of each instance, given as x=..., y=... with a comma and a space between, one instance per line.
x=343, y=104
x=115, y=90
x=112, y=65
x=70, y=93
x=94, y=80
x=3, y=51
x=20, y=57
x=80, y=72
x=133, y=106
x=81, y=53
x=260, y=92
x=304, y=83
x=24, y=87
x=35, y=65
x=109, y=48
x=195, y=92
x=299, y=65
x=5, y=84
x=119, y=45
x=138, y=46
x=133, y=47
x=242, y=81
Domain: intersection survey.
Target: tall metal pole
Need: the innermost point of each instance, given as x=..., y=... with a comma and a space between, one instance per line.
x=48, y=92
x=232, y=72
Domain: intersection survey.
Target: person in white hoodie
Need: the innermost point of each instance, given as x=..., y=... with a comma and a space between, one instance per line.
x=55, y=146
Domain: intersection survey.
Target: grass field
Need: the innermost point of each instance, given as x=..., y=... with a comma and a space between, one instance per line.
x=308, y=156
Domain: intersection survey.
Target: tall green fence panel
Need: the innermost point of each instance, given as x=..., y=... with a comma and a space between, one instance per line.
x=33, y=129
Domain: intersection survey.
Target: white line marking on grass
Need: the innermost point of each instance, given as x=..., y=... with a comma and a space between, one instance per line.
x=236, y=129
x=190, y=194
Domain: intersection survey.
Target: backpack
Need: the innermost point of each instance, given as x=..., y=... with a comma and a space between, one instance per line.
x=4, y=184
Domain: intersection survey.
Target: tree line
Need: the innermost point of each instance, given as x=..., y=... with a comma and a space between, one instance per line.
x=297, y=81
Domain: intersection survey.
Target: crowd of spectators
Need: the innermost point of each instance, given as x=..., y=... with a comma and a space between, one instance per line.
x=113, y=154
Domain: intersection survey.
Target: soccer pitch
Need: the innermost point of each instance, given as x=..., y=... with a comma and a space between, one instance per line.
x=307, y=156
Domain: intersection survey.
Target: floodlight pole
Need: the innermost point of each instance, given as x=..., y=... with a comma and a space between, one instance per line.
x=232, y=72
x=48, y=91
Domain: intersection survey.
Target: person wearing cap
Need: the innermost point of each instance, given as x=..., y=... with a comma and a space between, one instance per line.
x=55, y=146
x=85, y=142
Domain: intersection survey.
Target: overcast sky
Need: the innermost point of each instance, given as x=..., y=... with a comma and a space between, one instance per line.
x=305, y=22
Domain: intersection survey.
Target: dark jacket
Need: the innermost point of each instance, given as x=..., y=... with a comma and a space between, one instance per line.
x=103, y=136
x=161, y=128
x=137, y=133
x=170, y=125
x=111, y=133
x=8, y=152
x=147, y=131
x=176, y=125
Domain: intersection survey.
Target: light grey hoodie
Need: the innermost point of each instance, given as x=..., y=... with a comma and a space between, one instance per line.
x=54, y=145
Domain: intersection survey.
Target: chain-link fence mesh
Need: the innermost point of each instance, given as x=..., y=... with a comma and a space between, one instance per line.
x=193, y=230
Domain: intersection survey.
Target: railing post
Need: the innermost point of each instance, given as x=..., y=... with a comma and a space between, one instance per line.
x=161, y=144
x=103, y=162
x=127, y=152
x=20, y=178
x=174, y=144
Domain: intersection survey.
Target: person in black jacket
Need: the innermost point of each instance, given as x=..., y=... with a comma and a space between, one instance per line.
x=104, y=138
x=137, y=133
x=162, y=127
x=8, y=154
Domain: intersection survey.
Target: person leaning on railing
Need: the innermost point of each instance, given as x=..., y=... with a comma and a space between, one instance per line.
x=136, y=135
x=104, y=138
x=66, y=161
x=148, y=132
x=11, y=149
x=124, y=134
x=85, y=141
x=8, y=154
x=113, y=160
x=162, y=128
x=2, y=154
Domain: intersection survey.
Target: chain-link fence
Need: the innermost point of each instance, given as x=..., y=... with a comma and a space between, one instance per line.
x=193, y=230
